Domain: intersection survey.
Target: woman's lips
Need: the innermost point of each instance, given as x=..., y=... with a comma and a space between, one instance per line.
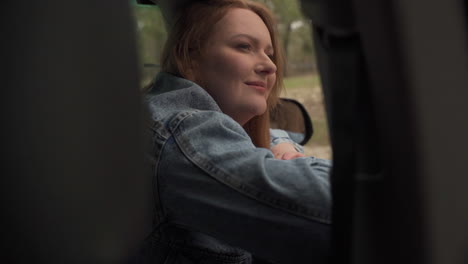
x=257, y=85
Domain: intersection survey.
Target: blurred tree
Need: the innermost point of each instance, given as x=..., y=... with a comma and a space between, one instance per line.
x=290, y=19
x=151, y=36
x=294, y=31
x=301, y=56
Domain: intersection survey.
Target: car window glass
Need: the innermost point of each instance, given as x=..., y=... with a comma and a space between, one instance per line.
x=151, y=36
x=302, y=81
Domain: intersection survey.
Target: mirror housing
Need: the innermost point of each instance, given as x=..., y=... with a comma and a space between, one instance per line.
x=292, y=117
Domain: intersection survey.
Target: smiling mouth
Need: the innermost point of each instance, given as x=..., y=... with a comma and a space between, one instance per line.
x=259, y=86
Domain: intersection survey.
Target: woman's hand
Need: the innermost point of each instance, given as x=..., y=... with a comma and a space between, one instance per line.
x=285, y=151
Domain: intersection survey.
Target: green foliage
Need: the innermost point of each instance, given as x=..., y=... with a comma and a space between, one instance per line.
x=295, y=33
x=151, y=36
x=297, y=41
x=286, y=11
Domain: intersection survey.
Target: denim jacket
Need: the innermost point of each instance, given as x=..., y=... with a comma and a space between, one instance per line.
x=279, y=136
x=220, y=199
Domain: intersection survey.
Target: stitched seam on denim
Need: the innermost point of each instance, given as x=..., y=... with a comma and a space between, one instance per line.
x=158, y=128
x=187, y=227
x=171, y=255
x=230, y=180
x=159, y=141
x=203, y=251
x=157, y=193
x=175, y=122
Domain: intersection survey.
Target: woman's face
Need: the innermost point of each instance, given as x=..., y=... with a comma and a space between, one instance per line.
x=235, y=67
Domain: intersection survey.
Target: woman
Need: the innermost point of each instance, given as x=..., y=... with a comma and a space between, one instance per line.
x=221, y=196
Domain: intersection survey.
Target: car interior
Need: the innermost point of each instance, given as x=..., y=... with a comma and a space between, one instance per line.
x=395, y=80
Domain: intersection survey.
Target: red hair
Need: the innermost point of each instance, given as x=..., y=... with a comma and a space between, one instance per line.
x=189, y=33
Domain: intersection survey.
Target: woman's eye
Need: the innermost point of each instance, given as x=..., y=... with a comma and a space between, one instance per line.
x=244, y=46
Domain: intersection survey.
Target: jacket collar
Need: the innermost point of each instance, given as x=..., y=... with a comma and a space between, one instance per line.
x=171, y=91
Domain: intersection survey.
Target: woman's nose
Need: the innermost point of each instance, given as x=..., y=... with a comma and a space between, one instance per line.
x=265, y=66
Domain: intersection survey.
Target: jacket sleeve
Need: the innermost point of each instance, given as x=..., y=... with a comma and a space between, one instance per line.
x=280, y=136
x=223, y=186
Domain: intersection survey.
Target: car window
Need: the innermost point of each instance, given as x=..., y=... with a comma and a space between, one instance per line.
x=302, y=81
x=151, y=36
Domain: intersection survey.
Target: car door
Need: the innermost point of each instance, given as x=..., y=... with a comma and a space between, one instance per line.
x=394, y=74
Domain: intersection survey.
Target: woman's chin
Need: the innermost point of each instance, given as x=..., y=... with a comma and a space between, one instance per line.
x=261, y=109
x=258, y=106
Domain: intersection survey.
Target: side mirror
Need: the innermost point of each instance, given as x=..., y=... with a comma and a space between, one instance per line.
x=291, y=116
